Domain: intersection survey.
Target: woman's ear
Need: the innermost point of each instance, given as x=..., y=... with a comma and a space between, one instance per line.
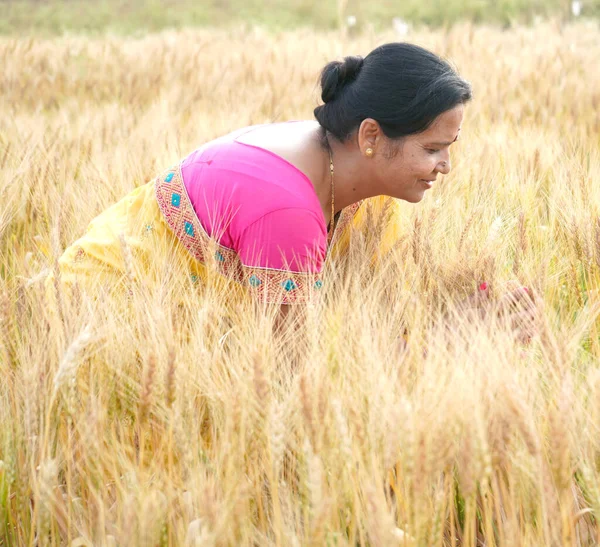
x=369, y=135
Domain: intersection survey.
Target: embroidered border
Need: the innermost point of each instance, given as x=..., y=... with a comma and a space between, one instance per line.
x=278, y=286
x=344, y=221
x=270, y=285
x=177, y=208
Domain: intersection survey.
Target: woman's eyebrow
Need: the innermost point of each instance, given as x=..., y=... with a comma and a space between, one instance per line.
x=440, y=143
x=444, y=143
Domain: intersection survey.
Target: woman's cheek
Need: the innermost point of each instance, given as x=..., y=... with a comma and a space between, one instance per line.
x=431, y=164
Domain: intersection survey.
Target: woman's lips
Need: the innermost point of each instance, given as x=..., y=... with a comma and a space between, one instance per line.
x=428, y=183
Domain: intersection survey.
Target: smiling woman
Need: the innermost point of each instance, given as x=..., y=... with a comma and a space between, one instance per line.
x=403, y=103
x=268, y=205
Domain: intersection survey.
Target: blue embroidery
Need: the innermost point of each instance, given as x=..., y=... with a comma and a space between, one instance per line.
x=289, y=285
x=194, y=278
x=318, y=284
x=254, y=281
x=219, y=257
x=189, y=229
x=169, y=177
x=175, y=200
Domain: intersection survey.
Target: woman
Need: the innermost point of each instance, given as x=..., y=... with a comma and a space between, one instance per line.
x=267, y=205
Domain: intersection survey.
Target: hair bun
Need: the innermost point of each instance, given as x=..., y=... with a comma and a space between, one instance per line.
x=402, y=86
x=351, y=67
x=338, y=74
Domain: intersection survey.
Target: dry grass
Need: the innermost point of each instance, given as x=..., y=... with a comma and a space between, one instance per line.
x=166, y=426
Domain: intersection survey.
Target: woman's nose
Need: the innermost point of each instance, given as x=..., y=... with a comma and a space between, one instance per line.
x=444, y=166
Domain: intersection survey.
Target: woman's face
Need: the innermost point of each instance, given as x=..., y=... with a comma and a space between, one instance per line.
x=406, y=170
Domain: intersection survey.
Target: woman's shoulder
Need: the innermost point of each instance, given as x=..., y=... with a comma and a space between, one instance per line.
x=290, y=142
x=197, y=153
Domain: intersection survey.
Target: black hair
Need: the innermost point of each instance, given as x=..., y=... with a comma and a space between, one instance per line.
x=402, y=86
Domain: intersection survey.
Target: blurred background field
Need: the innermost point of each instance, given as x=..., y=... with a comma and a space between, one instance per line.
x=51, y=17
x=196, y=425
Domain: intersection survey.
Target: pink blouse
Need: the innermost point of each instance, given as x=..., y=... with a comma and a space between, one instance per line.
x=260, y=211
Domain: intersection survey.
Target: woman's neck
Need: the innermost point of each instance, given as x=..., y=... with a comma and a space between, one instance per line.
x=351, y=183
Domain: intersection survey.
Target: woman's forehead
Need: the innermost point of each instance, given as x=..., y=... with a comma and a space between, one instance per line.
x=446, y=127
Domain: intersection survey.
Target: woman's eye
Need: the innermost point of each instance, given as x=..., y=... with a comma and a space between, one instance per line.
x=432, y=151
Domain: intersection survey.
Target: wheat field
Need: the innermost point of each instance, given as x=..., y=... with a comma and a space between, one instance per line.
x=150, y=423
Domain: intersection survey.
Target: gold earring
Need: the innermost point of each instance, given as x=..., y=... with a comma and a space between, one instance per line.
x=369, y=152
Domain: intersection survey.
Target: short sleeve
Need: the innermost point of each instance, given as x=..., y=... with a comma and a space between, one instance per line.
x=282, y=255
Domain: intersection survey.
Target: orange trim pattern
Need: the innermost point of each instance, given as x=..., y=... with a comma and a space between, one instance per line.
x=343, y=222
x=180, y=216
x=279, y=286
x=269, y=285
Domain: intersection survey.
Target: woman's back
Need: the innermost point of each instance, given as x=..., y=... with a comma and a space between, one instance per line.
x=252, y=200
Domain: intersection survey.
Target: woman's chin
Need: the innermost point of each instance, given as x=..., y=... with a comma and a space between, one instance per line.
x=413, y=197
x=412, y=194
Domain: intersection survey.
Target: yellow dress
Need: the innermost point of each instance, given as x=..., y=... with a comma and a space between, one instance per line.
x=136, y=241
